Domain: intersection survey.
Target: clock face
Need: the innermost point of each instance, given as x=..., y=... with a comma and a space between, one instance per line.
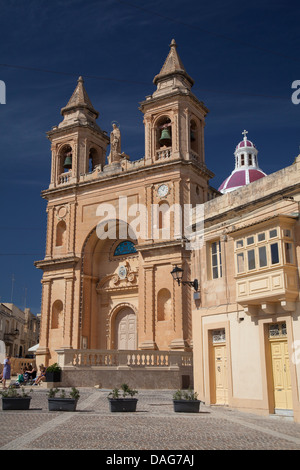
x=163, y=190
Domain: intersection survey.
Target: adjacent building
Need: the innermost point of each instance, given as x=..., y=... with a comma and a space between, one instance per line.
x=246, y=322
x=19, y=330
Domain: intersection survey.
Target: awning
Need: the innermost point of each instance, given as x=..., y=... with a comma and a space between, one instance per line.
x=34, y=348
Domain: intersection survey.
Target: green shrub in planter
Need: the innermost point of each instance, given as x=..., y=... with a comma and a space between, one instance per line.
x=124, y=402
x=15, y=399
x=63, y=403
x=186, y=401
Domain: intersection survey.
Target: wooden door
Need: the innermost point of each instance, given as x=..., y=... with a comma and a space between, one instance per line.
x=221, y=379
x=281, y=374
x=126, y=329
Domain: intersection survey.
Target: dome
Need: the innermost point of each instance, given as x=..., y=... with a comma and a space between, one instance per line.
x=240, y=178
x=245, y=143
x=246, y=167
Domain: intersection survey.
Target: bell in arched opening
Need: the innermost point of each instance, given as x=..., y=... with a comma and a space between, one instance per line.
x=68, y=162
x=165, y=138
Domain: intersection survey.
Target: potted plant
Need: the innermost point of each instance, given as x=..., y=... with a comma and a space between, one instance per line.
x=63, y=402
x=15, y=399
x=53, y=373
x=123, y=402
x=185, y=401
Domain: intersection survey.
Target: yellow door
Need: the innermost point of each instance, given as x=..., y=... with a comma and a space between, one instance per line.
x=221, y=380
x=281, y=374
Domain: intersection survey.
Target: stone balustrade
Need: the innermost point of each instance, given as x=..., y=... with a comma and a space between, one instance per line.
x=18, y=364
x=143, y=369
x=114, y=358
x=164, y=153
x=64, y=178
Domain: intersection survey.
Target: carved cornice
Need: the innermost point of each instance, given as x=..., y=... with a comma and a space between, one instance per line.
x=67, y=261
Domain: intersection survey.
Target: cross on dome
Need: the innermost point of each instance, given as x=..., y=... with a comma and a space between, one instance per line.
x=245, y=134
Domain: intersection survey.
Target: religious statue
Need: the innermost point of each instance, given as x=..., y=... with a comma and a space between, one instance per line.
x=115, y=145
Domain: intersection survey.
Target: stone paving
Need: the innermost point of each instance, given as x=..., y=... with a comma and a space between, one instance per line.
x=154, y=426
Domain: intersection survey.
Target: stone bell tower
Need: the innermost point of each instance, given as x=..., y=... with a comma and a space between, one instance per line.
x=78, y=143
x=174, y=122
x=78, y=147
x=174, y=118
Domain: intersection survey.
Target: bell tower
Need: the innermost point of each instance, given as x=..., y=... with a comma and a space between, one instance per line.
x=78, y=143
x=174, y=118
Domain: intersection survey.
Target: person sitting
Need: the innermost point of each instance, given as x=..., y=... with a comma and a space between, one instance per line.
x=25, y=375
x=31, y=372
x=20, y=380
x=41, y=376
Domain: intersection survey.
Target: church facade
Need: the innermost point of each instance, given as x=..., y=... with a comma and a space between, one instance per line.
x=106, y=281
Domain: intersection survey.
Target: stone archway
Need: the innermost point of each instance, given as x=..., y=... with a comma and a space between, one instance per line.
x=101, y=286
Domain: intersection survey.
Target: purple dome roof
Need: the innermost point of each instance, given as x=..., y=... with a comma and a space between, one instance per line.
x=246, y=166
x=245, y=143
x=241, y=178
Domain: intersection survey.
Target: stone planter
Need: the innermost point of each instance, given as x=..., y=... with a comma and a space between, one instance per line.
x=16, y=403
x=122, y=404
x=62, y=404
x=186, y=406
x=54, y=376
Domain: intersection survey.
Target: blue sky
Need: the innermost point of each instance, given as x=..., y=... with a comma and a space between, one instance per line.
x=243, y=57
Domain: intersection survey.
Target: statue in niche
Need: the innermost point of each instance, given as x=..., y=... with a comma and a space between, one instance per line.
x=115, y=145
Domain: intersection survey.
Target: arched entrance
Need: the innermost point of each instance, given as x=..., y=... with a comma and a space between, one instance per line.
x=125, y=329
x=104, y=286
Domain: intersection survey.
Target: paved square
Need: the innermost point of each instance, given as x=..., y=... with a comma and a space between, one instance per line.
x=154, y=426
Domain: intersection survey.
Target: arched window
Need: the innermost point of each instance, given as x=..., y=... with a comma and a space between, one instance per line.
x=164, y=133
x=164, y=305
x=93, y=160
x=194, y=136
x=125, y=248
x=91, y=163
x=65, y=159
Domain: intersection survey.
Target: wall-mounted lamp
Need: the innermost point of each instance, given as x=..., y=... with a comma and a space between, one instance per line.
x=177, y=274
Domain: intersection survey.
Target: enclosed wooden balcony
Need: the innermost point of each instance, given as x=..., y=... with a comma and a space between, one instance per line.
x=272, y=286
x=265, y=262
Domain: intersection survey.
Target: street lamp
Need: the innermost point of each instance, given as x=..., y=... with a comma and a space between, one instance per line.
x=177, y=274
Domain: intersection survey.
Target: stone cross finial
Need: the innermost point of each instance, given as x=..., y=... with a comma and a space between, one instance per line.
x=245, y=133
